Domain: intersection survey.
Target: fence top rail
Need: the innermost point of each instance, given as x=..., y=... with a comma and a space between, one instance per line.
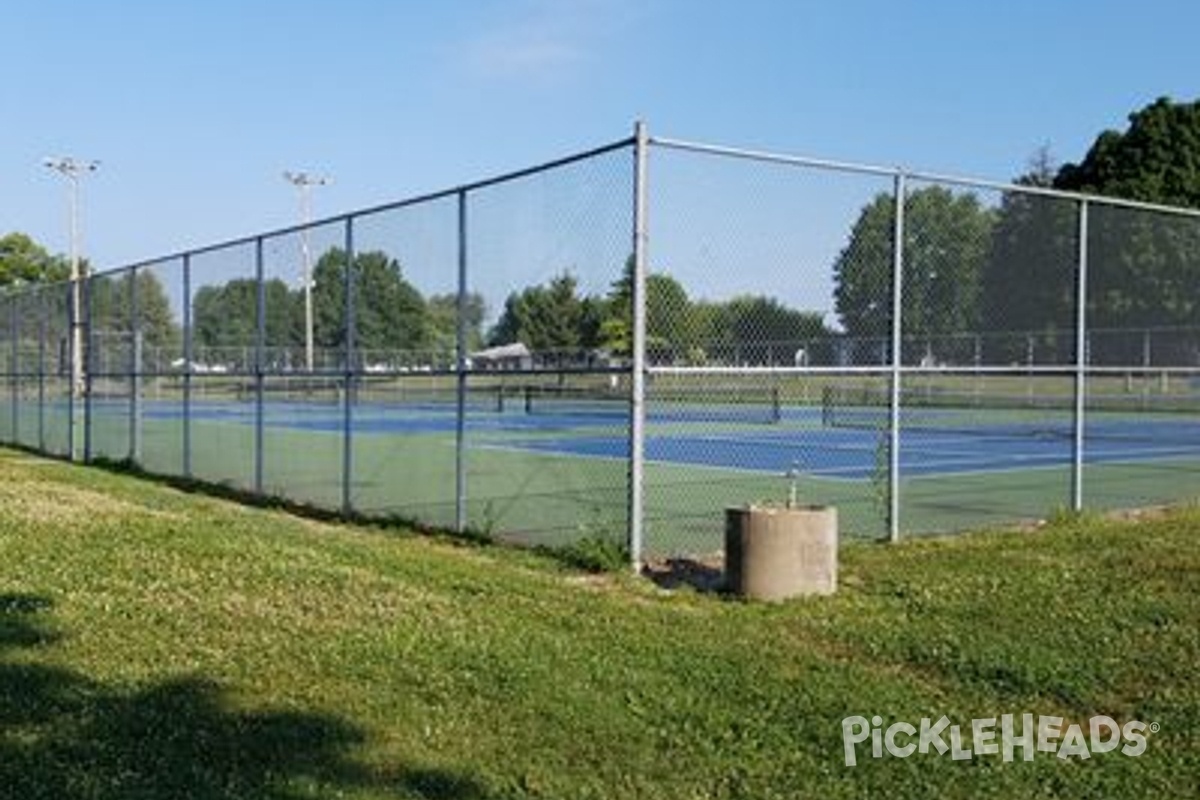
x=918, y=175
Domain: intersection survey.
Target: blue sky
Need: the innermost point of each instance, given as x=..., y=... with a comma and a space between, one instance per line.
x=195, y=108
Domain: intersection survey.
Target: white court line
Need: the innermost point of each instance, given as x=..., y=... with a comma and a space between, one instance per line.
x=972, y=464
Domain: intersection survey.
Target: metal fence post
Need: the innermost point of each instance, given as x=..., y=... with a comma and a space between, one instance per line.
x=1081, y=357
x=350, y=367
x=135, y=373
x=85, y=359
x=41, y=399
x=71, y=355
x=260, y=338
x=893, y=511
x=187, y=365
x=460, y=366
x=637, y=404
x=14, y=360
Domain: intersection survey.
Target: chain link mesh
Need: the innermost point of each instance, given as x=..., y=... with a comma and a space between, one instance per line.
x=549, y=254
x=465, y=360
x=758, y=296
x=1143, y=351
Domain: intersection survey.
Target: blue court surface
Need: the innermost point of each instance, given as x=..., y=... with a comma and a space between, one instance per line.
x=852, y=454
x=800, y=442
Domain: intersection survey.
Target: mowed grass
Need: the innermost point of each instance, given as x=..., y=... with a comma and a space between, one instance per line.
x=155, y=644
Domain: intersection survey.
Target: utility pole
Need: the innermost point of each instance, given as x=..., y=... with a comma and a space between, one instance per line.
x=304, y=183
x=72, y=169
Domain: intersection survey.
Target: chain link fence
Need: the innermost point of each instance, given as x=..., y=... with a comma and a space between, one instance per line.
x=620, y=344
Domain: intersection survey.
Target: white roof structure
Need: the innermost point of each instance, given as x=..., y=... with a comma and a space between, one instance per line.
x=502, y=352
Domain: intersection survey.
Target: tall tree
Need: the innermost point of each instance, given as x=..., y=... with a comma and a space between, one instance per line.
x=547, y=317
x=120, y=306
x=1143, y=266
x=670, y=326
x=1028, y=282
x=111, y=300
x=1157, y=159
x=22, y=260
x=862, y=273
x=759, y=330
x=389, y=312
x=443, y=320
x=946, y=239
x=225, y=320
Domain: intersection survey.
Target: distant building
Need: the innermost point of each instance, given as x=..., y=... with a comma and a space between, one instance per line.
x=503, y=357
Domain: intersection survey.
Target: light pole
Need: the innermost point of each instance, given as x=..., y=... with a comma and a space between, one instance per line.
x=304, y=183
x=72, y=169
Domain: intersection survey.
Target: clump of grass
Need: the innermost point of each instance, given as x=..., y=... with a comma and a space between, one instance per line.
x=593, y=553
x=1063, y=516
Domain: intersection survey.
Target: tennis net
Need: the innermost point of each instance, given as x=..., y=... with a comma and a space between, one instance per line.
x=751, y=404
x=1132, y=417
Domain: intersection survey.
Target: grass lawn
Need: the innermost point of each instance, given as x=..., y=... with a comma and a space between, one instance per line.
x=155, y=644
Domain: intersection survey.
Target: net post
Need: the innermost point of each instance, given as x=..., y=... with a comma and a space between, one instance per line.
x=1081, y=358
x=187, y=365
x=460, y=370
x=893, y=513
x=260, y=337
x=637, y=399
x=350, y=371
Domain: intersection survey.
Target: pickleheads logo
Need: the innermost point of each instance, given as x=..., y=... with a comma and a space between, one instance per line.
x=1016, y=732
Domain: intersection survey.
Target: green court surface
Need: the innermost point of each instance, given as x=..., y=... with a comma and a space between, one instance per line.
x=556, y=481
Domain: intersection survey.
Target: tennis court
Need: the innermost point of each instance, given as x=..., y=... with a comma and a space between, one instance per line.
x=851, y=455
x=477, y=352
x=751, y=434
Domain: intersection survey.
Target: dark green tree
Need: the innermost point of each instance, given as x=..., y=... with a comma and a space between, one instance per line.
x=947, y=236
x=1028, y=282
x=111, y=302
x=226, y=316
x=389, y=312
x=863, y=272
x=670, y=328
x=547, y=317
x=760, y=330
x=1156, y=160
x=443, y=320
x=22, y=260
x=1143, y=266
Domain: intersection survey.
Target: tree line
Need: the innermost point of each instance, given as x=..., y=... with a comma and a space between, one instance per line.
x=554, y=316
x=1012, y=267
x=390, y=313
x=969, y=267
x=392, y=319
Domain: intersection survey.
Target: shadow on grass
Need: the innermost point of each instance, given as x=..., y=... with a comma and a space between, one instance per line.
x=67, y=737
x=676, y=573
